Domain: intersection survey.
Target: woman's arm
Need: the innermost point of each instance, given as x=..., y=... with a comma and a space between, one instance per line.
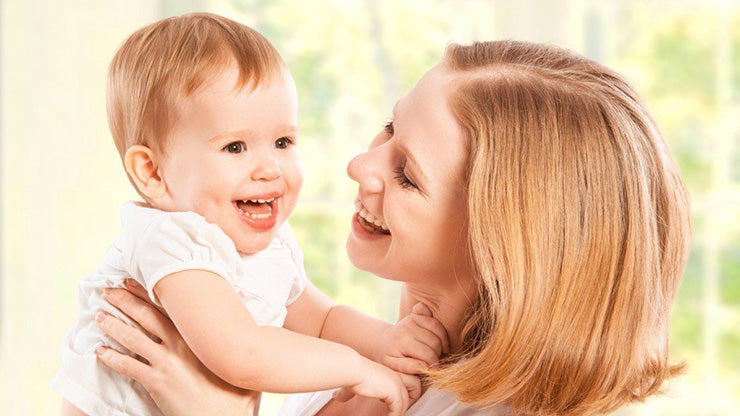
x=68, y=409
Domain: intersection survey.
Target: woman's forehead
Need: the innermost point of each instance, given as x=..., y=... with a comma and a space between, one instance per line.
x=426, y=128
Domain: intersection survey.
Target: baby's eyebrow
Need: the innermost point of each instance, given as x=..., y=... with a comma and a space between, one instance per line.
x=249, y=133
x=241, y=134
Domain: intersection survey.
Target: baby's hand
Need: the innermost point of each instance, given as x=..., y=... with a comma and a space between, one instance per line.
x=380, y=382
x=414, y=344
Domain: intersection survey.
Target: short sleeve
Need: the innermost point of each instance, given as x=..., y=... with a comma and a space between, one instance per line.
x=163, y=243
x=299, y=282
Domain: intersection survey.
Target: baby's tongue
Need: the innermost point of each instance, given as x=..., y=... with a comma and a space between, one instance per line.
x=254, y=207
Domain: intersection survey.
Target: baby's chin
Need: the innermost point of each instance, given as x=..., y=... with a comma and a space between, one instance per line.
x=253, y=244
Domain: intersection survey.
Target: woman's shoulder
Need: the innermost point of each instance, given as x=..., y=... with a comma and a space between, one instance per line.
x=432, y=402
x=445, y=403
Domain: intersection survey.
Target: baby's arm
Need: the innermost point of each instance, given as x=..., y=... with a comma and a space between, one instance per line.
x=219, y=329
x=415, y=342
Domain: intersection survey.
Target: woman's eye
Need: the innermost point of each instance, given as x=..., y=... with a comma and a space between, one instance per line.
x=283, y=143
x=404, y=180
x=388, y=128
x=235, y=147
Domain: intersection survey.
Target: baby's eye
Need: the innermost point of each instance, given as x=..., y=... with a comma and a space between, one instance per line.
x=235, y=147
x=283, y=143
x=389, y=128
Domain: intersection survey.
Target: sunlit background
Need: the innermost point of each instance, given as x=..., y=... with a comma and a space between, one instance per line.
x=62, y=183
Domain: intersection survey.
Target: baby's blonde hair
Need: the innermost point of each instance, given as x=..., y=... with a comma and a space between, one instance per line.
x=579, y=228
x=169, y=60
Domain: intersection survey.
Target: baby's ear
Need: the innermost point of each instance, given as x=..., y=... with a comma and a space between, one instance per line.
x=142, y=165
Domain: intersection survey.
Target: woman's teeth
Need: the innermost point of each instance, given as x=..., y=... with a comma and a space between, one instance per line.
x=368, y=217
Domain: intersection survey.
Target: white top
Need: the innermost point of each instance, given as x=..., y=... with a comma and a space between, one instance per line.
x=432, y=403
x=155, y=244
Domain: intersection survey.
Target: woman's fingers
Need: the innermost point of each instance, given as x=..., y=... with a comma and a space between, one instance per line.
x=134, y=287
x=132, y=338
x=125, y=364
x=145, y=314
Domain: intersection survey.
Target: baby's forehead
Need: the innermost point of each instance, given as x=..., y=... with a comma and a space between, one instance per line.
x=225, y=106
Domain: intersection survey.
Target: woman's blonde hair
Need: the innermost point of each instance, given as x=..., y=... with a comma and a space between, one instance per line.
x=169, y=60
x=579, y=229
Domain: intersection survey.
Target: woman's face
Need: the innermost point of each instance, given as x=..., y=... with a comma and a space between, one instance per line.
x=411, y=205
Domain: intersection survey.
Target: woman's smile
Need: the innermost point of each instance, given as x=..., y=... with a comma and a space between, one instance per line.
x=368, y=221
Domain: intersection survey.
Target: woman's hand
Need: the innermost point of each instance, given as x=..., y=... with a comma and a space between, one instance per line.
x=177, y=381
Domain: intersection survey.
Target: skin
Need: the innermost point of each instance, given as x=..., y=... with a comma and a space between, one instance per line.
x=425, y=248
x=244, y=146
x=231, y=145
x=425, y=213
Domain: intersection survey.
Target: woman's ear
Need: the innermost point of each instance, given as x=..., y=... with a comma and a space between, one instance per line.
x=142, y=165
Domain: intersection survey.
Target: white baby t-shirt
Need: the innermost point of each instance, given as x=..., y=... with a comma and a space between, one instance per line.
x=155, y=244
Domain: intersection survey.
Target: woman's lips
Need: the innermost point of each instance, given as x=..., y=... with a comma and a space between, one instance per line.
x=369, y=221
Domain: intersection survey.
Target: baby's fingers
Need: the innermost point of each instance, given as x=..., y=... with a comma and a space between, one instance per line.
x=421, y=351
x=432, y=325
x=405, y=365
x=397, y=405
x=413, y=387
x=343, y=394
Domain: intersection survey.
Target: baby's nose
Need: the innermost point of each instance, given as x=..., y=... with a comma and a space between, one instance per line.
x=266, y=169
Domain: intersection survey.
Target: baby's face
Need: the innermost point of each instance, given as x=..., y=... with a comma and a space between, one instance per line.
x=232, y=157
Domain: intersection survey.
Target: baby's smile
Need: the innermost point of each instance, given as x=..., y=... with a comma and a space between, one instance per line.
x=259, y=212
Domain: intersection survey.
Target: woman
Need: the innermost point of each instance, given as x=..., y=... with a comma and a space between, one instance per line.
x=534, y=208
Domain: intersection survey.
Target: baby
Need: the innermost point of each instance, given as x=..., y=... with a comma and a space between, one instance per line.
x=203, y=112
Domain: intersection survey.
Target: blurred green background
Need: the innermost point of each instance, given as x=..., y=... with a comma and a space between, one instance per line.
x=62, y=184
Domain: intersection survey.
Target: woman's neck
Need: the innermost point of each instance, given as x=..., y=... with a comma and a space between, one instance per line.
x=447, y=303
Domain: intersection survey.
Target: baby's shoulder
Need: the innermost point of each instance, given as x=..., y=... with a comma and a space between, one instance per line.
x=145, y=227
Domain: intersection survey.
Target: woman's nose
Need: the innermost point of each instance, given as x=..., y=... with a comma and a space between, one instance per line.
x=364, y=170
x=266, y=168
